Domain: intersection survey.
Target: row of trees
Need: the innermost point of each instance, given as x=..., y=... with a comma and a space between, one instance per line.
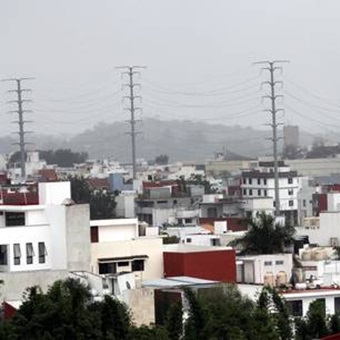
x=68, y=311
x=61, y=157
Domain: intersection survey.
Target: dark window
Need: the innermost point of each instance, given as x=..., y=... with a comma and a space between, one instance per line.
x=290, y=192
x=259, y=181
x=244, y=181
x=250, y=181
x=17, y=253
x=244, y=191
x=94, y=235
x=29, y=253
x=304, y=203
x=15, y=219
x=267, y=263
x=265, y=181
x=295, y=307
x=291, y=203
x=290, y=180
x=188, y=240
x=123, y=264
x=137, y=265
x=265, y=192
x=259, y=192
x=250, y=192
x=188, y=220
x=107, y=268
x=279, y=263
x=337, y=304
x=3, y=255
x=42, y=252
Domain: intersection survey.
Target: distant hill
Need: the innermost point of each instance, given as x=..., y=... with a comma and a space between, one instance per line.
x=180, y=139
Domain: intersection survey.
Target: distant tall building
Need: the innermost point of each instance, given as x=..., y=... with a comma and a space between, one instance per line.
x=290, y=135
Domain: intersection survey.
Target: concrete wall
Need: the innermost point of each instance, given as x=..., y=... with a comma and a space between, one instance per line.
x=78, y=241
x=14, y=284
x=141, y=303
x=315, y=167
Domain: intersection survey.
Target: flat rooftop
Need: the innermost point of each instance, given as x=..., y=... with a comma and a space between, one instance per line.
x=188, y=248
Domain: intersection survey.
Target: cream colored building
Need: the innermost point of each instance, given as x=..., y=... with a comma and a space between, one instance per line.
x=117, y=247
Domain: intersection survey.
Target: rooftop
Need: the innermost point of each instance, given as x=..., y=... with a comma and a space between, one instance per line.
x=188, y=248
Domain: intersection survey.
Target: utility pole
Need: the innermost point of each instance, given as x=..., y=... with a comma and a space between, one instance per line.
x=131, y=72
x=21, y=122
x=272, y=67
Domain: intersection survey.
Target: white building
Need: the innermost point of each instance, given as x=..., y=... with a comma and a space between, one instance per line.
x=275, y=269
x=325, y=233
x=261, y=183
x=41, y=243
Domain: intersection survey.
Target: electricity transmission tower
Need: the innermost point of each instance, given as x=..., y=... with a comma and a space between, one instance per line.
x=21, y=122
x=131, y=72
x=271, y=66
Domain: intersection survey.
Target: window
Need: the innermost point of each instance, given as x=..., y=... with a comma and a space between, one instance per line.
x=265, y=193
x=265, y=181
x=295, y=307
x=17, y=253
x=290, y=192
x=259, y=181
x=244, y=181
x=138, y=265
x=291, y=203
x=304, y=203
x=337, y=305
x=188, y=220
x=107, y=268
x=250, y=181
x=245, y=192
x=94, y=235
x=3, y=255
x=29, y=253
x=250, y=192
x=42, y=252
x=279, y=263
x=267, y=263
x=290, y=180
x=188, y=240
x=123, y=264
x=15, y=219
x=259, y=192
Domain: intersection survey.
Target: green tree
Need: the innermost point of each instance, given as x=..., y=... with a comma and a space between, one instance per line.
x=264, y=236
x=174, y=322
x=162, y=159
x=314, y=325
x=144, y=332
x=102, y=203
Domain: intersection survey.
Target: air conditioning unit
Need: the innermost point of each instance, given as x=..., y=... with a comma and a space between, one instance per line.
x=334, y=242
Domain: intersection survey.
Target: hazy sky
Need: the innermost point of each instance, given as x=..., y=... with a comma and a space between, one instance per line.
x=198, y=55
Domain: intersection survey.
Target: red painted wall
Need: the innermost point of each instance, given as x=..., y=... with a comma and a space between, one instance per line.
x=218, y=265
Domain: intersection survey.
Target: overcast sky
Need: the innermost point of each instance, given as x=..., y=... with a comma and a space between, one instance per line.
x=198, y=54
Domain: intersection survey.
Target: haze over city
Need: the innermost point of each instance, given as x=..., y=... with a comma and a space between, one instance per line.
x=198, y=56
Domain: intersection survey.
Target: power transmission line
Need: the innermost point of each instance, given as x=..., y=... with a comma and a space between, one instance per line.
x=271, y=67
x=131, y=72
x=21, y=122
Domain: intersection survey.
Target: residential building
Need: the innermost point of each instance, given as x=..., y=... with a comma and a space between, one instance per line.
x=41, y=243
x=118, y=247
x=261, y=183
